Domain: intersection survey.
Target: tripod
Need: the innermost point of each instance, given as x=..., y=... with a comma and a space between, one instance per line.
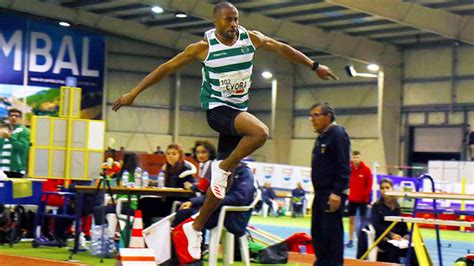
x=104, y=185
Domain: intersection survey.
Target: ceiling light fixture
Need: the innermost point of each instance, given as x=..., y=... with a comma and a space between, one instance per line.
x=267, y=74
x=373, y=67
x=64, y=23
x=157, y=9
x=181, y=15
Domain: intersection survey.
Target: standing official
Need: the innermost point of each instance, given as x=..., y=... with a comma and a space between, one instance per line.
x=330, y=170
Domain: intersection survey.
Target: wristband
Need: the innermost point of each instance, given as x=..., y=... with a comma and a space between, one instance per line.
x=315, y=65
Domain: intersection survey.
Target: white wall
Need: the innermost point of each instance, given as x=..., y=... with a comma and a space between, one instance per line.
x=351, y=93
x=149, y=124
x=427, y=74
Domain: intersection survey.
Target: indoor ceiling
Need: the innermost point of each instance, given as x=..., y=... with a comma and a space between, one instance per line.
x=369, y=22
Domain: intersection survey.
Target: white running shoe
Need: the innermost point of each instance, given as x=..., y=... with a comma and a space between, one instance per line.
x=218, y=180
x=194, y=240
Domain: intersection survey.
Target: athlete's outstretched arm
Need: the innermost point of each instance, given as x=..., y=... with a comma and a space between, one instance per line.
x=195, y=50
x=290, y=53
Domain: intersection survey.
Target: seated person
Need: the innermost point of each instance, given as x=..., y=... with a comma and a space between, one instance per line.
x=204, y=152
x=388, y=206
x=297, y=200
x=129, y=164
x=178, y=172
x=61, y=224
x=269, y=198
x=281, y=208
x=240, y=193
x=5, y=224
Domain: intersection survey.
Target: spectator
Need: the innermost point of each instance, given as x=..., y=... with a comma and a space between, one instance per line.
x=177, y=172
x=158, y=151
x=388, y=206
x=14, y=145
x=360, y=187
x=204, y=152
x=297, y=200
x=241, y=193
x=269, y=198
x=129, y=164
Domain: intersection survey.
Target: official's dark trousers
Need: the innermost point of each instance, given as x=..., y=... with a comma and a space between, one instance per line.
x=327, y=231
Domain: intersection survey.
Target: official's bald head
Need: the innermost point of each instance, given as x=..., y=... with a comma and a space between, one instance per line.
x=221, y=6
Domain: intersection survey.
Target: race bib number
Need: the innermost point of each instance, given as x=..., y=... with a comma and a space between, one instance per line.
x=234, y=85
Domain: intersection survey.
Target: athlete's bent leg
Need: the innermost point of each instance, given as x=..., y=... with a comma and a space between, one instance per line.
x=254, y=134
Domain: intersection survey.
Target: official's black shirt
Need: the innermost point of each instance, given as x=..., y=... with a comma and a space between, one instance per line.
x=330, y=167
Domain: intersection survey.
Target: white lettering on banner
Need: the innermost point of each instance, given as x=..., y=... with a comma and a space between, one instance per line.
x=15, y=41
x=66, y=43
x=85, y=60
x=40, y=47
x=35, y=52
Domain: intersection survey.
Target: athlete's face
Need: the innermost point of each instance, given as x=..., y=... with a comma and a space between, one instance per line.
x=172, y=156
x=227, y=23
x=202, y=155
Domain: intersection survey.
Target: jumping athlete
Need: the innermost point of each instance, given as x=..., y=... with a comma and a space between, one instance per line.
x=227, y=55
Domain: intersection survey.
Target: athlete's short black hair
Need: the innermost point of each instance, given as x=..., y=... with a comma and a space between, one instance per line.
x=222, y=5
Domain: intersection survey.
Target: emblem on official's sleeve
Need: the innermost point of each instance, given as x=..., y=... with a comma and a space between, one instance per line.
x=323, y=148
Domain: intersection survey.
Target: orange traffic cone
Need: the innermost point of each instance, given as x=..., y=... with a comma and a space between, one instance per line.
x=137, y=241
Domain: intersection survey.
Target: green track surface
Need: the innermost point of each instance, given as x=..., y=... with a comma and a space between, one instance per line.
x=53, y=253
x=306, y=223
x=62, y=254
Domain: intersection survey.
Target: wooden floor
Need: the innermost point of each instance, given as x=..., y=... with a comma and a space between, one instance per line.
x=10, y=260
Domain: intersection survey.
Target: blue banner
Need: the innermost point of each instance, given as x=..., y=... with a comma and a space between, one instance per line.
x=49, y=54
x=12, y=52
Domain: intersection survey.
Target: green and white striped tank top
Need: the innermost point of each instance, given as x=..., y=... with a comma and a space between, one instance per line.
x=227, y=71
x=5, y=154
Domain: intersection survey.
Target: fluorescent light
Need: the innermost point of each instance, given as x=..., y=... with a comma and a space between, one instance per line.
x=180, y=15
x=373, y=67
x=351, y=72
x=267, y=74
x=64, y=23
x=157, y=9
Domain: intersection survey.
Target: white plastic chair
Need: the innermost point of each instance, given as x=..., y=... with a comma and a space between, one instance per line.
x=228, y=244
x=370, y=241
x=123, y=217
